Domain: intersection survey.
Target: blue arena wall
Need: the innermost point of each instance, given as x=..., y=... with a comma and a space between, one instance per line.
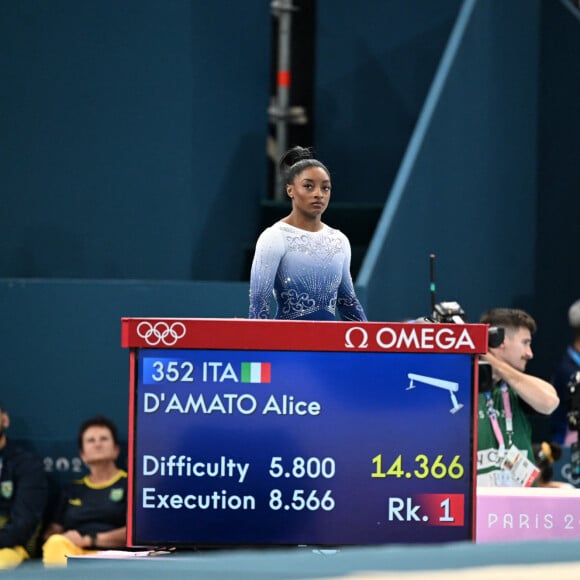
x=61, y=351
x=374, y=66
x=468, y=181
x=557, y=271
x=487, y=182
x=133, y=137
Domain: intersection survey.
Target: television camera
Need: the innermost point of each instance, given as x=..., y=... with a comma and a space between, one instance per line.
x=573, y=417
x=451, y=312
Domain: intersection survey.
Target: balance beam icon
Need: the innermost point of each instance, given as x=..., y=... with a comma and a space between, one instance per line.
x=450, y=386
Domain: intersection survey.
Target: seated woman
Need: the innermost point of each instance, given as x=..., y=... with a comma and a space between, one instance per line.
x=92, y=511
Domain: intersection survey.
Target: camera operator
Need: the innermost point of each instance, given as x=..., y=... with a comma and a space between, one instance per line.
x=505, y=456
x=568, y=367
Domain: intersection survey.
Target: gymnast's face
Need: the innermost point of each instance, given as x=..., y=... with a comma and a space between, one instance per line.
x=310, y=191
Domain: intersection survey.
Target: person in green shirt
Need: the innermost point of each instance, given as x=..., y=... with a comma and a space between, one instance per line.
x=504, y=434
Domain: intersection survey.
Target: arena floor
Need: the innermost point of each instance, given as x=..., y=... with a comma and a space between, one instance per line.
x=529, y=560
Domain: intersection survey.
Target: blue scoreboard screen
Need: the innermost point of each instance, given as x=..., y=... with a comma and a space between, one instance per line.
x=235, y=446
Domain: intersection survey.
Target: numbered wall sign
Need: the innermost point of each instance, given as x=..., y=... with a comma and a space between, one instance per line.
x=289, y=433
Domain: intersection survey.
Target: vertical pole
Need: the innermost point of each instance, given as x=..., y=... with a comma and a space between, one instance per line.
x=432, y=282
x=283, y=10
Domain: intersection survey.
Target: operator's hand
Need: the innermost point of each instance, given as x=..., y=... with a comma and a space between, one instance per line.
x=78, y=539
x=538, y=393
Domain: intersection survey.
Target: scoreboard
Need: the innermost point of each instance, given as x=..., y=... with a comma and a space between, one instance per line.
x=262, y=432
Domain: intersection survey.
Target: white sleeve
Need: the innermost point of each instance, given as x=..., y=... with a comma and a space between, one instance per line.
x=270, y=248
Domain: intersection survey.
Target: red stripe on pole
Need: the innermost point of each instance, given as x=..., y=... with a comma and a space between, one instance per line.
x=283, y=78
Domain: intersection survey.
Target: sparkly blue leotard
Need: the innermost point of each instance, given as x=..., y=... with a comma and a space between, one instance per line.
x=308, y=272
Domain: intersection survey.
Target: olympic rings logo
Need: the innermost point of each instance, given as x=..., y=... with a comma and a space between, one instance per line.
x=161, y=332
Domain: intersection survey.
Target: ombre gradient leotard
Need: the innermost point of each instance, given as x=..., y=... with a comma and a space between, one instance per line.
x=308, y=273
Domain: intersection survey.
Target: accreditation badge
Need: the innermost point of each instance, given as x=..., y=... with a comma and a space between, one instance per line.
x=7, y=489
x=521, y=469
x=116, y=494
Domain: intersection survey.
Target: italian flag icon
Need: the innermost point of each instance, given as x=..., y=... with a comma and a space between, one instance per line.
x=256, y=372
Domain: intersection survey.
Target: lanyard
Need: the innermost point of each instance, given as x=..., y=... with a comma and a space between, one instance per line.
x=509, y=424
x=492, y=414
